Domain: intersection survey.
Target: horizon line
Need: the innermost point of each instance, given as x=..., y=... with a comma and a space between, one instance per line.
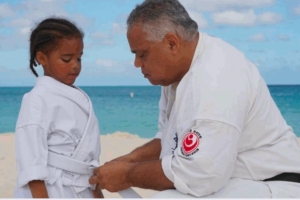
x=136, y=85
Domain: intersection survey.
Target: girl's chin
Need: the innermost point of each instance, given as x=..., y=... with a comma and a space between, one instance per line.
x=69, y=82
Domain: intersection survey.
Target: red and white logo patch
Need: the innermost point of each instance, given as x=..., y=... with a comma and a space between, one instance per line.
x=190, y=143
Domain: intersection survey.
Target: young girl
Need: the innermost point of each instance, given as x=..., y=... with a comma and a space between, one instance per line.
x=57, y=134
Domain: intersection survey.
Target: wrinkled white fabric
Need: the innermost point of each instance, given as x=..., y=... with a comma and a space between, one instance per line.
x=242, y=133
x=54, y=117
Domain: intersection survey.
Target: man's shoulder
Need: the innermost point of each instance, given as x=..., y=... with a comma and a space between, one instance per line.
x=214, y=46
x=220, y=61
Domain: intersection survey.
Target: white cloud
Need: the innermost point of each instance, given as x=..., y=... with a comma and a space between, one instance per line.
x=106, y=63
x=47, y=0
x=80, y=21
x=17, y=39
x=16, y=23
x=216, y=5
x=24, y=31
x=119, y=28
x=199, y=18
x=6, y=11
x=99, y=35
x=38, y=10
x=107, y=39
x=258, y=38
x=110, y=66
x=283, y=37
x=122, y=17
x=234, y=18
x=270, y=18
x=100, y=38
x=245, y=18
x=297, y=10
x=31, y=13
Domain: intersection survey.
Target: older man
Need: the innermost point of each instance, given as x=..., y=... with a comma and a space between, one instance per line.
x=220, y=132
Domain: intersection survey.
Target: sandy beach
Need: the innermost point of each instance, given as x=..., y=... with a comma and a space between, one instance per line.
x=113, y=145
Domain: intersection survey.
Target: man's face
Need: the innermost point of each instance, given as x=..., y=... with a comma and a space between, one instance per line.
x=154, y=58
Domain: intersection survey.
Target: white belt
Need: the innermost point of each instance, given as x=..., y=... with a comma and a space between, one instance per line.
x=69, y=164
x=79, y=167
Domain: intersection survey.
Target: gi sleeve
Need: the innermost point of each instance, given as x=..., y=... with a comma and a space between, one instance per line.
x=31, y=140
x=31, y=154
x=204, y=160
x=162, y=114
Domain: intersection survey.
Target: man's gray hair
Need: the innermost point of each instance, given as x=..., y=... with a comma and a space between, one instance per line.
x=160, y=17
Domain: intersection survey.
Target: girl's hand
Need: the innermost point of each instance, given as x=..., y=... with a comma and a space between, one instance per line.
x=97, y=193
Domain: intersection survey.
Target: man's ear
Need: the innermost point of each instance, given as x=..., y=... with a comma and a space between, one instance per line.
x=41, y=58
x=173, y=42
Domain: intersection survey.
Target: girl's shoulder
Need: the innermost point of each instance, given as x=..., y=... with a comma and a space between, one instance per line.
x=33, y=107
x=35, y=97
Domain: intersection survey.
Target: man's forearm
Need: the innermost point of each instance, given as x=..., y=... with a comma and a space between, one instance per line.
x=149, y=151
x=149, y=175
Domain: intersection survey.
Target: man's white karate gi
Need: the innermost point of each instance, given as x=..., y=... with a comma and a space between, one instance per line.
x=222, y=132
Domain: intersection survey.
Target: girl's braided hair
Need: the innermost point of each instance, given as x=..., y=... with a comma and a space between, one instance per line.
x=46, y=35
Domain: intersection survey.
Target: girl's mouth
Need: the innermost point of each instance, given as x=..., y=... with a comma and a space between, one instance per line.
x=73, y=76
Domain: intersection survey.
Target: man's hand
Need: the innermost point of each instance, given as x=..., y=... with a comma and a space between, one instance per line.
x=141, y=168
x=116, y=175
x=112, y=176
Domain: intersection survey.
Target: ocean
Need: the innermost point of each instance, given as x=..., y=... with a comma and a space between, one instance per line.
x=116, y=110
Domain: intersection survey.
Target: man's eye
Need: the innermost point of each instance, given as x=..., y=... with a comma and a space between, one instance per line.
x=66, y=61
x=141, y=56
x=79, y=59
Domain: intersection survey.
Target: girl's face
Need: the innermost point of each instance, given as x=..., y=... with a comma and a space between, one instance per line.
x=64, y=62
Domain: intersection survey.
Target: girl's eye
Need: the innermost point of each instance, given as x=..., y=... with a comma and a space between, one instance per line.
x=66, y=61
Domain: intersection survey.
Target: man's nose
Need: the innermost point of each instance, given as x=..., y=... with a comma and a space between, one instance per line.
x=137, y=62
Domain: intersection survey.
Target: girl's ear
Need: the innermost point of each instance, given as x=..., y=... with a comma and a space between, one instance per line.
x=41, y=58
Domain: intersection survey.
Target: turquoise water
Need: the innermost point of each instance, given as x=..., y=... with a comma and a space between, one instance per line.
x=117, y=111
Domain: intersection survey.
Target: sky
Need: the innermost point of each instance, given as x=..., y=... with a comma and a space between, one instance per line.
x=266, y=31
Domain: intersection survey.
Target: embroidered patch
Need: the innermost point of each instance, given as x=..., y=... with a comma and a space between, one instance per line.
x=190, y=143
x=176, y=143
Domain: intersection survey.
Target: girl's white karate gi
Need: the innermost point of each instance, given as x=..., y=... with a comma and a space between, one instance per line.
x=243, y=137
x=56, y=119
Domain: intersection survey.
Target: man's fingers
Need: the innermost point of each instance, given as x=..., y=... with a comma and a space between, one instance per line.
x=101, y=187
x=93, y=180
x=95, y=171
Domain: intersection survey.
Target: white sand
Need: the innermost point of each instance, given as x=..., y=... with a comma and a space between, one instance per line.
x=112, y=146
